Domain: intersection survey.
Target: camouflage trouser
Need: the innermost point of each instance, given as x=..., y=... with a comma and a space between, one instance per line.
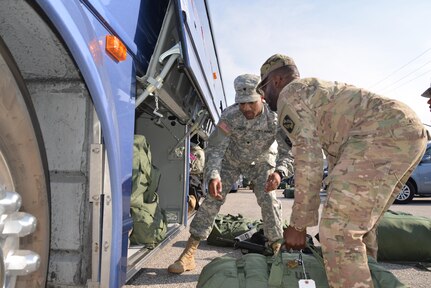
x=203, y=221
x=367, y=177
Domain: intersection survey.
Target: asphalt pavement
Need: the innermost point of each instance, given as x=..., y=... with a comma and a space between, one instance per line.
x=155, y=274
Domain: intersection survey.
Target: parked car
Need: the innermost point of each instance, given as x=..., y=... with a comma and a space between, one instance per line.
x=419, y=183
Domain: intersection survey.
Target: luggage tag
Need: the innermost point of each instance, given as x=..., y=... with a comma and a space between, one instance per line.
x=305, y=283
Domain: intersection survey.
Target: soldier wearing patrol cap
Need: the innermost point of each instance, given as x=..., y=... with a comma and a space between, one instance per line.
x=245, y=141
x=372, y=145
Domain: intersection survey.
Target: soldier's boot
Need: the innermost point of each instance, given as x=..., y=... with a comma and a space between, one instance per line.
x=186, y=262
x=191, y=204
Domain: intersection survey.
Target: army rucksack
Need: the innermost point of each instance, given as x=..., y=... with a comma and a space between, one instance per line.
x=149, y=219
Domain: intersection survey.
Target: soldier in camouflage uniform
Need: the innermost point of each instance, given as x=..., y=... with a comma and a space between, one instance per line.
x=245, y=141
x=372, y=145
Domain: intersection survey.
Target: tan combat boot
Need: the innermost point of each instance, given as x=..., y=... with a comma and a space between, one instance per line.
x=192, y=204
x=186, y=262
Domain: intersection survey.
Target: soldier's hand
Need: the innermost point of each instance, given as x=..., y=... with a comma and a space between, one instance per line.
x=215, y=187
x=294, y=239
x=272, y=182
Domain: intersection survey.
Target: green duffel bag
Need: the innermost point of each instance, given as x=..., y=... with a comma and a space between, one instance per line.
x=404, y=237
x=228, y=227
x=285, y=271
x=383, y=278
x=251, y=270
x=149, y=224
x=141, y=172
x=281, y=271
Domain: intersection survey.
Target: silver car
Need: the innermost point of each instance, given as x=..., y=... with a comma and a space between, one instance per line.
x=419, y=183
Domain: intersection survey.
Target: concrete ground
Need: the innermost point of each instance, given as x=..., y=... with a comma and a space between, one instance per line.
x=155, y=274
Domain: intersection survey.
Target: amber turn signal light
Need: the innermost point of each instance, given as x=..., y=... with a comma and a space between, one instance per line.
x=116, y=48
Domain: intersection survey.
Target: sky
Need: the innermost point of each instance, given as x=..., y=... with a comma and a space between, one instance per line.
x=381, y=45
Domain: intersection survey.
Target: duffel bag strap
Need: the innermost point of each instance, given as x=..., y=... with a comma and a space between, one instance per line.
x=277, y=268
x=316, y=253
x=240, y=264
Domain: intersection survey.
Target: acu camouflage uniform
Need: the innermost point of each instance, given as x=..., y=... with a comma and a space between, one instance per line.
x=372, y=145
x=247, y=147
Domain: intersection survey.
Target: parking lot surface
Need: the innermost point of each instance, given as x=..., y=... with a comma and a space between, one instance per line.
x=155, y=275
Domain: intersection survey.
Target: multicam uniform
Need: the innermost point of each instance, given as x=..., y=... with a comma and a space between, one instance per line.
x=372, y=145
x=248, y=147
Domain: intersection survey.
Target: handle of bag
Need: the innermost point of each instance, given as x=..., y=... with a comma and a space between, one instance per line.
x=240, y=265
x=277, y=268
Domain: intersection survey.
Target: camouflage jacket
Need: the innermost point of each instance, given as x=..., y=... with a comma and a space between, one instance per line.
x=319, y=115
x=245, y=141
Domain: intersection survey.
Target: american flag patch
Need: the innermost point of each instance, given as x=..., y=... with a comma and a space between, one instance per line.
x=224, y=127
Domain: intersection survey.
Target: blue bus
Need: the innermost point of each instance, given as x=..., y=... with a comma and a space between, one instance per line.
x=78, y=80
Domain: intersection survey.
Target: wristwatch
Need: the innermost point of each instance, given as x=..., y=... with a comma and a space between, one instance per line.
x=281, y=173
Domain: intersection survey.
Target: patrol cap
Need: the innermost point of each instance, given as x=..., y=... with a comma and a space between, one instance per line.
x=245, y=88
x=427, y=93
x=272, y=63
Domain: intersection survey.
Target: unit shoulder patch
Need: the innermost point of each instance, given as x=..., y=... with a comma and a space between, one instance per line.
x=288, y=124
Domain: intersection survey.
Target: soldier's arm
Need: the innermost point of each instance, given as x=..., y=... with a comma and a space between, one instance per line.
x=298, y=123
x=217, y=145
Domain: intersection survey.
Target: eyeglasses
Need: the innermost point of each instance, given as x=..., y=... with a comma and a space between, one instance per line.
x=260, y=89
